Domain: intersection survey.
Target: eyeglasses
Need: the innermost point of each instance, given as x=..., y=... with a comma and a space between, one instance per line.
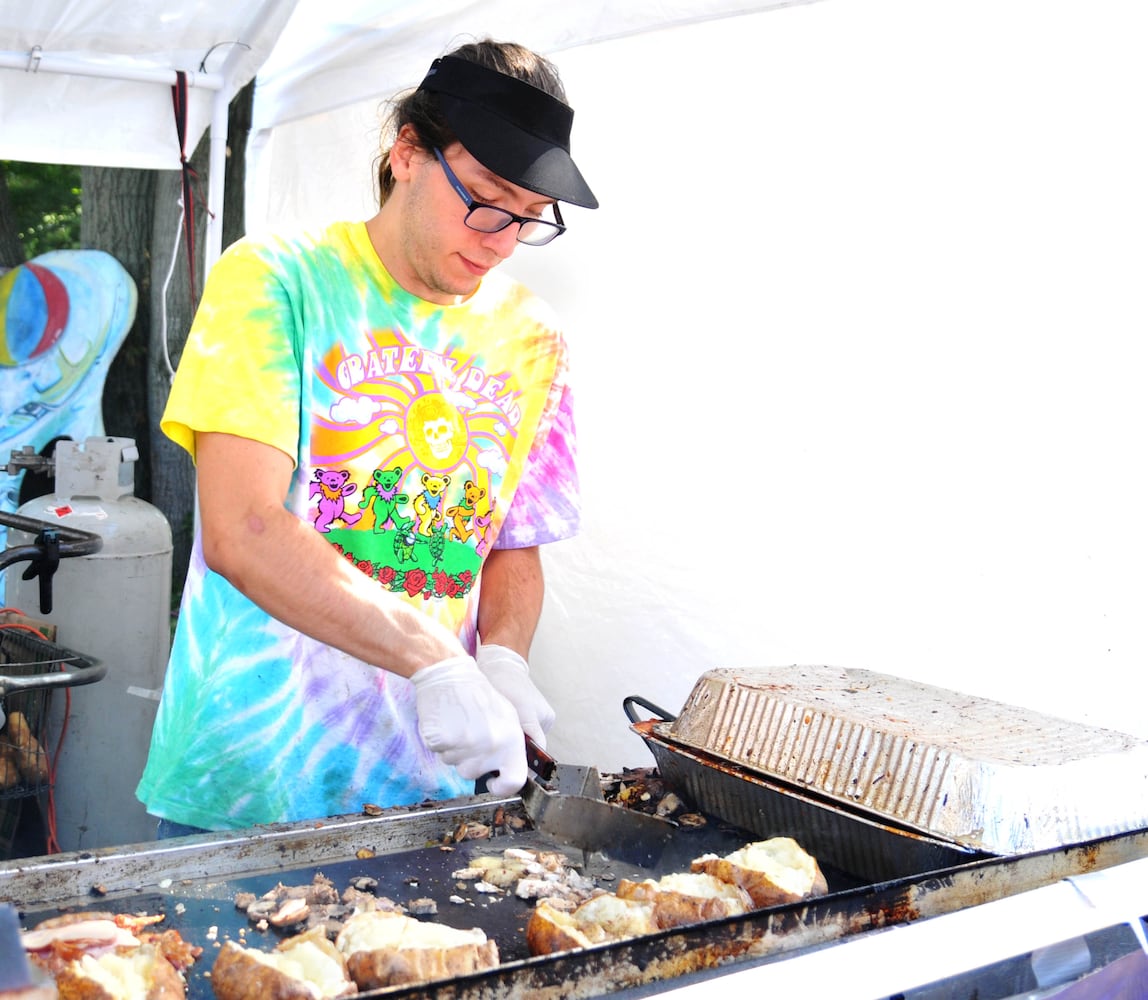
x=489, y=219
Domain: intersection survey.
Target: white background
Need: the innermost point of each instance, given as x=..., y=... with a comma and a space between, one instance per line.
x=857, y=335
x=859, y=341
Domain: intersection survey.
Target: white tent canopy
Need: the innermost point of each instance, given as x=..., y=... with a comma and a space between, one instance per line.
x=90, y=82
x=367, y=49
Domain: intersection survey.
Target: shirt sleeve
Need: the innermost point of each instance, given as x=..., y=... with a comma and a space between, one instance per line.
x=239, y=371
x=547, y=505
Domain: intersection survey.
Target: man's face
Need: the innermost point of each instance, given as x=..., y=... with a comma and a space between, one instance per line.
x=439, y=257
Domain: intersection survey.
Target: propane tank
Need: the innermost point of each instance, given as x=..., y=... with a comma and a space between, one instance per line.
x=114, y=606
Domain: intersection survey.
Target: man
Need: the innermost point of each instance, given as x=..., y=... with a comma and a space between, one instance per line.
x=382, y=432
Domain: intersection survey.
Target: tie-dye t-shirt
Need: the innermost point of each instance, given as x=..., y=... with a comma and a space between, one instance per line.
x=423, y=436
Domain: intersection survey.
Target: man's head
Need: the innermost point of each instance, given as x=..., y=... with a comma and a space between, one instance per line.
x=506, y=105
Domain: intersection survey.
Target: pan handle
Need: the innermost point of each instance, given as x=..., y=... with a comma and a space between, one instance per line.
x=629, y=702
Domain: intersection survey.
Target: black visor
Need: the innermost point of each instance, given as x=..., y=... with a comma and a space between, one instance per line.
x=514, y=129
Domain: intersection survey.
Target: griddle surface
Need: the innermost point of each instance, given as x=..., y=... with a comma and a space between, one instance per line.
x=204, y=912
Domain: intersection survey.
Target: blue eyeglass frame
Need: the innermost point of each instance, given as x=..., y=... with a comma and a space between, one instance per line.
x=472, y=204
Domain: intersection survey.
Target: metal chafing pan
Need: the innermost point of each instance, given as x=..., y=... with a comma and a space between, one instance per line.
x=977, y=774
x=848, y=841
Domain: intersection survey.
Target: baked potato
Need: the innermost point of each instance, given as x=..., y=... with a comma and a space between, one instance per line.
x=141, y=974
x=26, y=750
x=10, y=775
x=687, y=898
x=601, y=919
x=304, y=967
x=772, y=871
x=385, y=948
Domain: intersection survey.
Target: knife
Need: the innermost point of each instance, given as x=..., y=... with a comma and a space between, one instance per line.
x=576, y=816
x=567, y=778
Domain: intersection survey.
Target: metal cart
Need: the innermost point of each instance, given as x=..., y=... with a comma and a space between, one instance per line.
x=31, y=668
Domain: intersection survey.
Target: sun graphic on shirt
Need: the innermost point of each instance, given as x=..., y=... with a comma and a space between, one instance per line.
x=428, y=431
x=412, y=419
x=437, y=433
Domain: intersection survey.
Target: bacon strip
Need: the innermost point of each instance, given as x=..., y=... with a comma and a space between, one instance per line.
x=84, y=934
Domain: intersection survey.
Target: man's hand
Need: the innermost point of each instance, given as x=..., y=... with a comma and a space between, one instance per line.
x=509, y=674
x=469, y=724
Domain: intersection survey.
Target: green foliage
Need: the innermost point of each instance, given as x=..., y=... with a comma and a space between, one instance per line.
x=45, y=199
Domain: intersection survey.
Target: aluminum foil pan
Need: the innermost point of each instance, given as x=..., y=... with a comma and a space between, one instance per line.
x=980, y=773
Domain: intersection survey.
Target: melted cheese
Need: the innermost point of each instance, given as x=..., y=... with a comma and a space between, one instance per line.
x=781, y=859
x=380, y=929
x=321, y=974
x=122, y=978
x=698, y=884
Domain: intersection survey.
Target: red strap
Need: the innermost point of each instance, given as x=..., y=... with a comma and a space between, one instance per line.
x=188, y=174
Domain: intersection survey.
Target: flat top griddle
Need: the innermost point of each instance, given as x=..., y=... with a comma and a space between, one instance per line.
x=202, y=907
x=193, y=881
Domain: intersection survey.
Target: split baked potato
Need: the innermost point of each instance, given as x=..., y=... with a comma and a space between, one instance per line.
x=603, y=918
x=384, y=948
x=304, y=967
x=142, y=974
x=688, y=898
x=97, y=955
x=773, y=872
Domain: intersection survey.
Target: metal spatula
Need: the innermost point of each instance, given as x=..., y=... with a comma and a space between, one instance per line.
x=582, y=819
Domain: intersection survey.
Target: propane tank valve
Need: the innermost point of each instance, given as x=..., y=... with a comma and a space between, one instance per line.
x=27, y=458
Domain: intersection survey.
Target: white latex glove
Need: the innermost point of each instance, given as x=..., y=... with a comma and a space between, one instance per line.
x=509, y=674
x=464, y=720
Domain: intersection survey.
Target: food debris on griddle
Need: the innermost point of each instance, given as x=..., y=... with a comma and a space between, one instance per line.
x=316, y=904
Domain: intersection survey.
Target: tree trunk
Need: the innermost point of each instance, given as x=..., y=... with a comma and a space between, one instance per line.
x=238, y=128
x=117, y=216
x=11, y=249
x=172, y=306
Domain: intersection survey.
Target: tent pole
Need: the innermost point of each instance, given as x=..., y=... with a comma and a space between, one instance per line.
x=220, y=111
x=216, y=176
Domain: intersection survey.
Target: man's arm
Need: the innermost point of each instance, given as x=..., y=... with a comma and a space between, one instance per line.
x=509, y=606
x=510, y=602
x=284, y=565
